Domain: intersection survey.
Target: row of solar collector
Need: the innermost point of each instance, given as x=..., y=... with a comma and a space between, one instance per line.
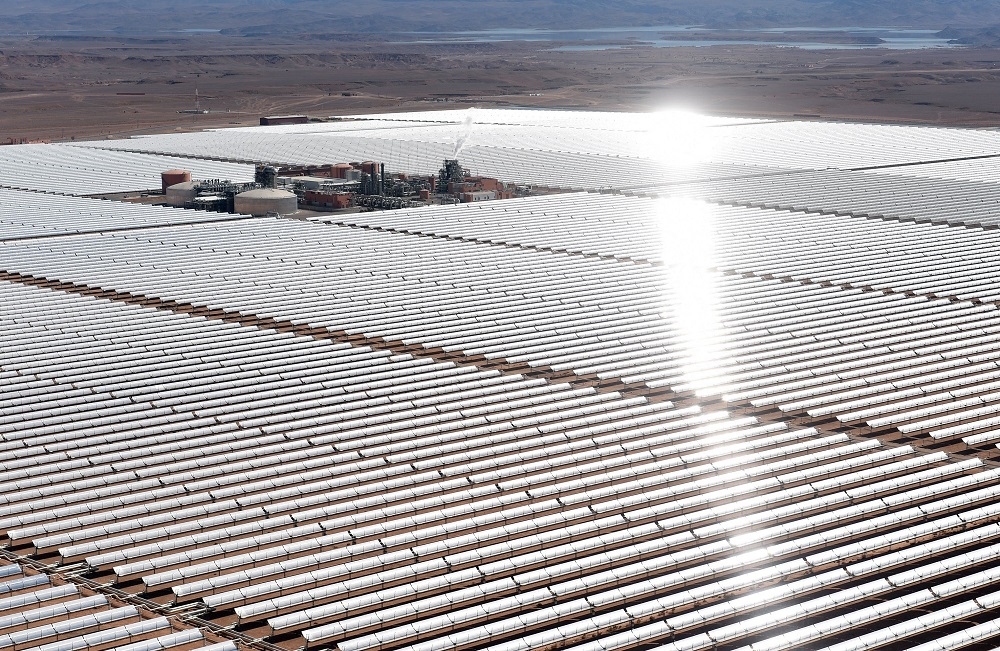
x=824, y=314
x=603, y=225
x=270, y=405
x=360, y=243
x=475, y=537
x=941, y=275
x=27, y=215
x=768, y=223
x=310, y=238
x=783, y=328
x=312, y=283
x=896, y=392
x=287, y=346
x=336, y=382
x=156, y=460
x=765, y=367
x=792, y=349
x=535, y=138
x=209, y=431
x=821, y=145
x=580, y=120
x=183, y=576
x=942, y=279
x=74, y=157
x=882, y=542
x=636, y=236
x=37, y=615
x=830, y=467
x=126, y=477
x=975, y=169
x=912, y=330
x=365, y=316
x=636, y=614
x=576, y=557
x=859, y=234
x=184, y=558
x=802, y=385
x=784, y=234
x=487, y=298
x=885, y=403
x=607, y=533
x=22, y=521
x=553, y=505
x=809, y=145
x=71, y=170
x=972, y=201
x=859, y=622
x=126, y=515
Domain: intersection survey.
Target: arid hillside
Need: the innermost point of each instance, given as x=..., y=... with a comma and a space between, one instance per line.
x=61, y=89
x=77, y=69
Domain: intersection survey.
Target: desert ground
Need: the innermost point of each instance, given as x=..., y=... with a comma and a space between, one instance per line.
x=59, y=89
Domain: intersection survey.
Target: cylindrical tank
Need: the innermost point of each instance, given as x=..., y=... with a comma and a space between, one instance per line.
x=173, y=177
x=266, y=200
x=340, y=170
x=181, y=193
x=368, y=167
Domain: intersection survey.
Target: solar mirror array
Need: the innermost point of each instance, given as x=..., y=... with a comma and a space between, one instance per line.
x=68, y=170
x=738, y=390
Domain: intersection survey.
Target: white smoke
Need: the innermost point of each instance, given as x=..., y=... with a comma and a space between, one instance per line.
x=467, y=124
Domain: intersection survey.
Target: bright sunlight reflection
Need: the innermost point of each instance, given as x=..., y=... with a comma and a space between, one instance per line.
x=678, y=138
x=686, y=231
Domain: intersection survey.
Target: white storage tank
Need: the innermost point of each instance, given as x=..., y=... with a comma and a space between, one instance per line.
x=266, y=200
x=180, y=194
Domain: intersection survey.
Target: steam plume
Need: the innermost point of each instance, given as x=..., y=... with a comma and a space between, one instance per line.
x=467, y=125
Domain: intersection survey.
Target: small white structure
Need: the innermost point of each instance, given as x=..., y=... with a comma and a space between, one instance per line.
x=266, y=200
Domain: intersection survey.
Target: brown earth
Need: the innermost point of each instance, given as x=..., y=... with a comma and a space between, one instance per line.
x=102, y=87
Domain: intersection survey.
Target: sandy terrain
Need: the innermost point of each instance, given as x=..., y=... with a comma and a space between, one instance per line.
x=71, y=89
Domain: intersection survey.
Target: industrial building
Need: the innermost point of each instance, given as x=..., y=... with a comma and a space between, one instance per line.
x=739, y=391
x=217, y=195
x=276, y=120
x=331, y=187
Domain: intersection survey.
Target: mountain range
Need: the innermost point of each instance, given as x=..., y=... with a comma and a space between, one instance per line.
x=264, y=17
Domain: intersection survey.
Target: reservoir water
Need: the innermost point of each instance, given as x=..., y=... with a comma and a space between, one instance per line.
x=835, y=38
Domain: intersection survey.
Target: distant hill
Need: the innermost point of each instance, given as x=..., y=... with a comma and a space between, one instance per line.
x=249, y=17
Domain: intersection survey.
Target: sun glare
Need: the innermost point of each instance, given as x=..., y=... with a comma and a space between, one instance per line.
x=686, y=231
x=678, y=138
